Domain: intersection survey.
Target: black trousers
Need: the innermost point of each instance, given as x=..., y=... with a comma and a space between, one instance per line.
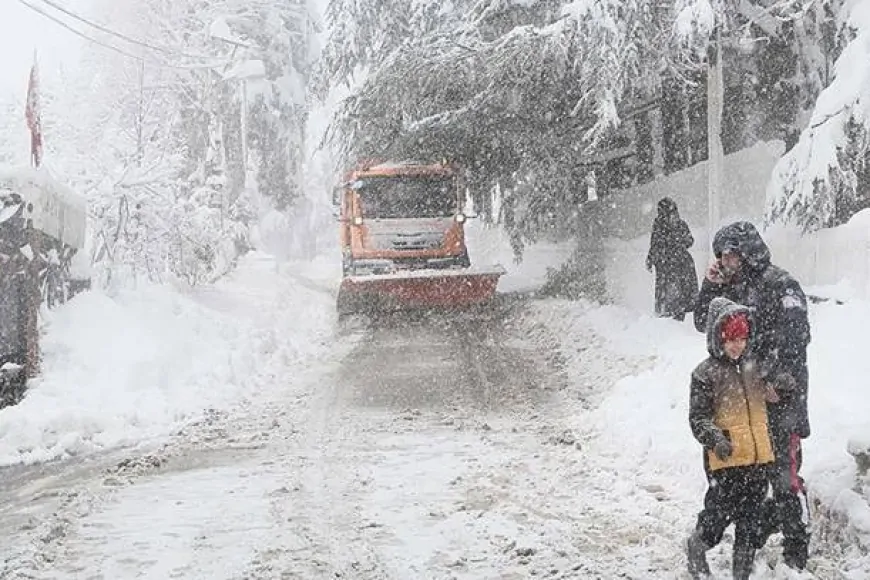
x=789, y=510
x=734, y=495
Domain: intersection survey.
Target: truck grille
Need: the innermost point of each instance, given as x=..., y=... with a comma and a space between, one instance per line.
x=419, y=241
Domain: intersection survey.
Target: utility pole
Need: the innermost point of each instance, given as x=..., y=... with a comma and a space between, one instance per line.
x=715, y=153
x=244, y=127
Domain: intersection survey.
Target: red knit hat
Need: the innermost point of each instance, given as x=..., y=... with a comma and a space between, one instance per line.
x=735, y=326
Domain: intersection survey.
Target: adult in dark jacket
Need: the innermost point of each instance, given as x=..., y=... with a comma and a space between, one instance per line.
x=728, y=417
x=676, y=279
x=743, y=273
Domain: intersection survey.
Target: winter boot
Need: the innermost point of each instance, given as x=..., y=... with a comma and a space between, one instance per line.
x=795, y=552
x=741, y=562
x=696, y=553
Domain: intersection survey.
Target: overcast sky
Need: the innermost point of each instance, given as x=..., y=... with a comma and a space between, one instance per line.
x=23, y=30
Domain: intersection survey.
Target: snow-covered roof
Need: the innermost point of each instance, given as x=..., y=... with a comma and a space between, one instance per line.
x=411, y=166
x=57, y=210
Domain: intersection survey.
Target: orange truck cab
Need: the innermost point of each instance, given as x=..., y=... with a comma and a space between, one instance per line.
x=401, y=216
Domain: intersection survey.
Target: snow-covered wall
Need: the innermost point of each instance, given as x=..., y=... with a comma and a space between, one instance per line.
x=828, y=257
x=836, y=256
x=746, y=175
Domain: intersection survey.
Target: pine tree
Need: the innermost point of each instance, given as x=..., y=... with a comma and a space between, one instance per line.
x=819, y=182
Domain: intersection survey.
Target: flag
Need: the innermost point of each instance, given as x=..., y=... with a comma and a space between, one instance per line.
x=33, y=113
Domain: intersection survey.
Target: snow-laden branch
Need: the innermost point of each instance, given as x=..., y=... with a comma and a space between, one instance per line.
x=492, y=64
x=808, y=179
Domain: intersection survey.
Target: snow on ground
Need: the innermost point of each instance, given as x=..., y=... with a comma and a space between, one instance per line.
x=489, y=245
x=203, y=536
x=134, y=367
x=556, y=444
x=639, y=432
x=657, y=400
x=603, y=479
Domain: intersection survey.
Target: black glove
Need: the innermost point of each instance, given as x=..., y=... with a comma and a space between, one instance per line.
x=784, y=383
x=722, y=448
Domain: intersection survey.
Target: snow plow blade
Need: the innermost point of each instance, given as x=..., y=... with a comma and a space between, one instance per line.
x=418, y=289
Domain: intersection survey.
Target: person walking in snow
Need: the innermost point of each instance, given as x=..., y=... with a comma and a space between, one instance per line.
x=743, y=273
x=728, y=416
x=676, y=278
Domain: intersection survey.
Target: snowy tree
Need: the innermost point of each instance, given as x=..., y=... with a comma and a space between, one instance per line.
x=824, y=179
x=531, y=96
x=518, y=92
x=776, y=55
x=199, y=108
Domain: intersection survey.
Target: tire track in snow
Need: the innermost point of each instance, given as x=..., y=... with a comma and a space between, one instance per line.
x=366, y=472
x=320, y=509
x=74, y=512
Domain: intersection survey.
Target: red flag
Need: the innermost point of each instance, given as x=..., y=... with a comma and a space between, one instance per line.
x=33, y=113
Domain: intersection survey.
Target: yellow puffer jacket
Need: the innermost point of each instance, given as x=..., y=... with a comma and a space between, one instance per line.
x=728, y=397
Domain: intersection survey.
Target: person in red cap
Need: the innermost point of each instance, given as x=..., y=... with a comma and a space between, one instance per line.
x=728, y=417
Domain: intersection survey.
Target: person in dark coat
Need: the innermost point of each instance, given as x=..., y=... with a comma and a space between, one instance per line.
x=676, y=279
x=728, y=417
x=743, y=273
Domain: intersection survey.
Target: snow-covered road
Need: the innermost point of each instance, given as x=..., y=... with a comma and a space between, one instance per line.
x=547, y=440
x=412, y=448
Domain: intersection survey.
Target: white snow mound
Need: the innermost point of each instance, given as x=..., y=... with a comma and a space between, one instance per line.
x=128, y=369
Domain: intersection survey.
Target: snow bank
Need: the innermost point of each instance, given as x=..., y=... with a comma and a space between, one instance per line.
x=830, y=257
x=489, y=245
x=839, y=406
x=120, y=370
x=116, y=370
x=641, y=424
x=638, y=432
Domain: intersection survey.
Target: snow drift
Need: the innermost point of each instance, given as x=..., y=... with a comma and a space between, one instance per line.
x=128, y=368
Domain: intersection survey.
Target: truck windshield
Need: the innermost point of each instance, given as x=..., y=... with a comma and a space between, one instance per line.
x=407, y=197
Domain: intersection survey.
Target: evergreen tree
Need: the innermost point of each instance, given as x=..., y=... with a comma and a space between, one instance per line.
x=519, y=93
x=822, y=181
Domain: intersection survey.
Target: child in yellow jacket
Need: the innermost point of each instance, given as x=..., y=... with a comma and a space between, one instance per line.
x=728, y=416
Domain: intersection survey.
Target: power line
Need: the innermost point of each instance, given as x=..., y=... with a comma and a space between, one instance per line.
x=78, y=32
x=111, y=47
x=120, y=35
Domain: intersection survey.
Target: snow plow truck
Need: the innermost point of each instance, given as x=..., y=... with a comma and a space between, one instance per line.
x=402, y=235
